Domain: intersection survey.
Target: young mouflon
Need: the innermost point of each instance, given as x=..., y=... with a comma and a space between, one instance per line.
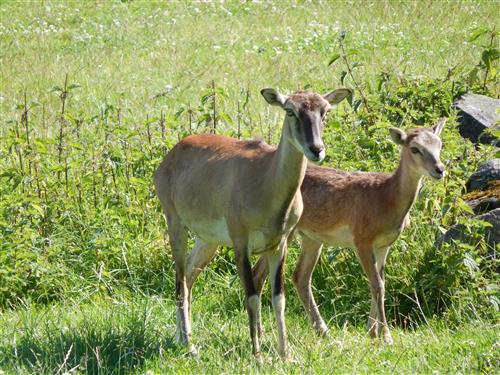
x=362, y=210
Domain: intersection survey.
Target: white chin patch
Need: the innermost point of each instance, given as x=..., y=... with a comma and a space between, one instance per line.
x=321, y=155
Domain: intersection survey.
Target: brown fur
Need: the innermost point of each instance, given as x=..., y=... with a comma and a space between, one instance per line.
x=365, y=210
x=243, y=194
x=308, y=100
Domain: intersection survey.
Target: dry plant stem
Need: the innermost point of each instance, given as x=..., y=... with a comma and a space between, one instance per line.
x=94, y=179
x=190, y=117
x=239, y=120
x=163, y=135
x=19, y=154
x=63, y=96
x=356, y=85
x=148, y=131
x=25, y=120
x=213, y=107
x=492, y=37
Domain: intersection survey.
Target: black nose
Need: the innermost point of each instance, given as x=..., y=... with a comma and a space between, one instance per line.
x=316, y=150
x=439, y=170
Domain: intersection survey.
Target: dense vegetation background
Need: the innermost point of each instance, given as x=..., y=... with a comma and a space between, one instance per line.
x=93, y=94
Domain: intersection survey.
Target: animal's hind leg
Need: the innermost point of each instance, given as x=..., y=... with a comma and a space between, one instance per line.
x=178, y=242
x=309, y=256
x=198, y=259
x=260, y=271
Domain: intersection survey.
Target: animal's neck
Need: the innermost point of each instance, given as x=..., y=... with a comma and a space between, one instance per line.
x=406, y=184
x=288, y=168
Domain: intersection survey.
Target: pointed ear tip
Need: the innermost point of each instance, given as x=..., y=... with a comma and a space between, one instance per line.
x=266, y=92
x=344, y=91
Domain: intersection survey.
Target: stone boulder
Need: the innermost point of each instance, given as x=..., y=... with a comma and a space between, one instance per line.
x=483, y=187
x=458, y=233
x=478, y=113
x=489, y=171
x=482, y=205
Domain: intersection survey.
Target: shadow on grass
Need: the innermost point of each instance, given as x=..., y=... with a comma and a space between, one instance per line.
x=87, y=349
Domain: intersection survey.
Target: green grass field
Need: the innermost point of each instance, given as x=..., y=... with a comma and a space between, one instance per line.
x=135, y=335
x=86, y=280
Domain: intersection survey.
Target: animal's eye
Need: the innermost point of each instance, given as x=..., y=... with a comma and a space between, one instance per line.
x=290, y=112
x=415, y=150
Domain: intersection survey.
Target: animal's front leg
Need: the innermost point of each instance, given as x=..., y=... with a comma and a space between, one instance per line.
x=276, y=262
x=252, y=298
x=260, y=272
x=368, y=261
x=381, y=256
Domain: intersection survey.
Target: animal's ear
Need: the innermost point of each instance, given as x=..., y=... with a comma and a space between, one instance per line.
x=438, y=128
x=398, y=136
x=273, y=97
x=336, y=96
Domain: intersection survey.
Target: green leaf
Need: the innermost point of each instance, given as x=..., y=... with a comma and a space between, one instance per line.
x=342, y=76
x=56, y=89
x=225, y=117
x=179, y=113
x=334, y=58
x=477, y=33
x=356, y=104
x=70, y=118
x=204, y=118
x=473, y=76
x=37, y=208
x=486, y=58
x=75, y=145
x=470, y=263
x=151, y=120
x=334, y=124
x=464, y=206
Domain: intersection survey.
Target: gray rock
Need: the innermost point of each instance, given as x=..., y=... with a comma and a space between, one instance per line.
x=458, y=233
x=489, y=171
x=480, y=206
x=476, y=114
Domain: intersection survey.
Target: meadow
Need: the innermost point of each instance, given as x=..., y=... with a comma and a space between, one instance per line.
x=92, y=95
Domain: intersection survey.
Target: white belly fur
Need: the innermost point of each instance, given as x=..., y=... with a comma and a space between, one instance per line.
x=216, y=232
x=341, y=236
x=256, y=241
x=213, y=231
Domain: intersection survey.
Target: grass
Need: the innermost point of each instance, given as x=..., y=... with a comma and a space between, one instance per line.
x=85, y=280
x=135, y=334
x=126, y=53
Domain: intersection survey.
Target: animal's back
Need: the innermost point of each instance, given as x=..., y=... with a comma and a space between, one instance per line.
x=202, y=158
x=339, y=206
x=202, y=173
